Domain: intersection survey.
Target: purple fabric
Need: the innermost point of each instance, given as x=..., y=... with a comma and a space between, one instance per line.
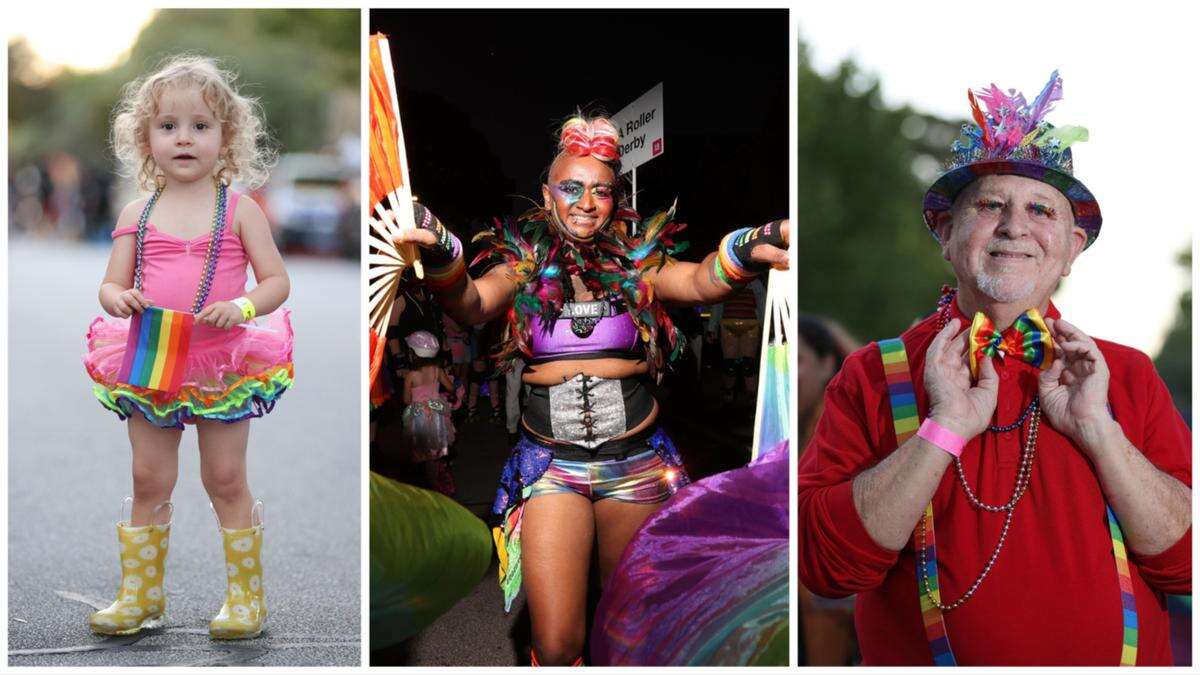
x=611, y=332
x=705, y=579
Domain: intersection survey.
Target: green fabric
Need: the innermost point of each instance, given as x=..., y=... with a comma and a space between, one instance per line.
x=427, y=553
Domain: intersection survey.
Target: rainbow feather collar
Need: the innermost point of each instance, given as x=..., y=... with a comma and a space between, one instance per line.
x=612, y=266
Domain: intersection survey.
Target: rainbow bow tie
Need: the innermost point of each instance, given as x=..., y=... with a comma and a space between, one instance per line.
x=1027, y=339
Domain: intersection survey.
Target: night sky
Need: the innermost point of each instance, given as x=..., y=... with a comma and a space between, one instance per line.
x=482, y=93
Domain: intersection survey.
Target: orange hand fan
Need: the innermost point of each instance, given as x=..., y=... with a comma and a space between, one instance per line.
x=391, y=202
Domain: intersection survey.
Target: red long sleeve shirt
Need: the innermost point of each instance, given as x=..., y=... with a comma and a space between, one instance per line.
x=1052, y=597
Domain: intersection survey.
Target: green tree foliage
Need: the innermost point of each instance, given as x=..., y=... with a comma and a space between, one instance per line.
x=866, y=258
x=1174, y=362
x=292, y=60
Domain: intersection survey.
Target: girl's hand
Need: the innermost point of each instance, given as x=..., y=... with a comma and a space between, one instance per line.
x=224, y=315
x=129, y=302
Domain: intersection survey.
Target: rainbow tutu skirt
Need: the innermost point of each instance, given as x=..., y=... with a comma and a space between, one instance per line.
x=228, y=375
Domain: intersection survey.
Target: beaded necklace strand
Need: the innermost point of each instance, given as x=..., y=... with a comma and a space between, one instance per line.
x=217, y=232
x=905, y=421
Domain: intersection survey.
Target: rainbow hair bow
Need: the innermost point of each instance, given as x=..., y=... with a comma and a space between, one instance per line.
x=1027, y=339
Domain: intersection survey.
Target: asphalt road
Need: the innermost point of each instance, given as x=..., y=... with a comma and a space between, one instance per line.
x=69, y=469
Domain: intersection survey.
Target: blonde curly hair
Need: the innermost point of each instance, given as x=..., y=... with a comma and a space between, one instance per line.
x=247, y=154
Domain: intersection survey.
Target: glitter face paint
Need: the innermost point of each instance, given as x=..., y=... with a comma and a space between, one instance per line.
x=570, y=192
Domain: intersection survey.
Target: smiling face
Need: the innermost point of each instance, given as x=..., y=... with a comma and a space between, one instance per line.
x=580, y=194
x=1010, y=239
x=185, y=136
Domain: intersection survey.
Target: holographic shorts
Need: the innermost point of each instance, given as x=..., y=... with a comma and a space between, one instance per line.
x=643, y=479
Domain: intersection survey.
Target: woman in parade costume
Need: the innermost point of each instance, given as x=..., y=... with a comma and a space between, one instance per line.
x=181, y=347
x=584, y=304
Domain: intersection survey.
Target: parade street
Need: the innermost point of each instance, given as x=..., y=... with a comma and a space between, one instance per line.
x=69, y=468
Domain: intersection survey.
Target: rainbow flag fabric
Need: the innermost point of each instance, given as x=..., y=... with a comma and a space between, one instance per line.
x=156, y=350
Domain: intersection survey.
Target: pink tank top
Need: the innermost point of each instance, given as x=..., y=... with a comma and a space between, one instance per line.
x=172, y=268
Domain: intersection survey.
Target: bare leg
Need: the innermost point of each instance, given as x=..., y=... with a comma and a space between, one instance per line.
x=556, y=552
x=616, y=523
x=223, y=470
x=155, y=467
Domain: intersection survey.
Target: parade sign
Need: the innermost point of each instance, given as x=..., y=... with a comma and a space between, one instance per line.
x=640, y=125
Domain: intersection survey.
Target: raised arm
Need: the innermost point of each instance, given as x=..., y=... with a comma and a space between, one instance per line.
x=741, y=256
x=469, y=301
x=1153, y=507
x=891, y=495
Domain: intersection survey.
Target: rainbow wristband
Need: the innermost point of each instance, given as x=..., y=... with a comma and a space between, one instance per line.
x=248, y=311
x=448, y=276
x=726, y=265
x=942, y=437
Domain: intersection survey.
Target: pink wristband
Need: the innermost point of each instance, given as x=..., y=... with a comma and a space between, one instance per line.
x=942, y=437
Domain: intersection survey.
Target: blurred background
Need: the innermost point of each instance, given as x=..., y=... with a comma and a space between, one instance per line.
x=878, y=109
x=68, y=459
x=65, y=77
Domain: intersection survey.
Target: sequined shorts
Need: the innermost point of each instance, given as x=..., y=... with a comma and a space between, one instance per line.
x=642, y=479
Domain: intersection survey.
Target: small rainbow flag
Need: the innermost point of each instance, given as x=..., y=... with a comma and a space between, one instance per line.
x=156, y=350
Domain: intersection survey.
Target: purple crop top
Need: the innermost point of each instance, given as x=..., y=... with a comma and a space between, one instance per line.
x=585, y=330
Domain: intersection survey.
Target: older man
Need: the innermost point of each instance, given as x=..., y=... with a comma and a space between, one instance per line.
x=1054, y=465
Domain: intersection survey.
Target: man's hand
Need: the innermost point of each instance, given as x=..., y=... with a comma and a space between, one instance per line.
x=954, y=402
x=1074, y=390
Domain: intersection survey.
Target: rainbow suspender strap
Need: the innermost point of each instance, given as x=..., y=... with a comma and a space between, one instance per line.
x=1129, y=621
x=906, y=421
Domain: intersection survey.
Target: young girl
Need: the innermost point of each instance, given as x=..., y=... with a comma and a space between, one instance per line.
x=186, y=133
x=428, y=431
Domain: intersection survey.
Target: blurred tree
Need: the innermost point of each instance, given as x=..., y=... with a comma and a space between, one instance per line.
x=866, y=257
x=1174, y=362
x=292, y=60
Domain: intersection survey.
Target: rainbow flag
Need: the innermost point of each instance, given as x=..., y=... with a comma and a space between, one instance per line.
x=156, y=350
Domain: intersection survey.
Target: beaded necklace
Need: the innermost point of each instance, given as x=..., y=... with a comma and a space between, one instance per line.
x=210, y=255
x=905, y=421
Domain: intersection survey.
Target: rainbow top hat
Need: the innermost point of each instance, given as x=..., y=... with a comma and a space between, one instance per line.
x=1012, y=138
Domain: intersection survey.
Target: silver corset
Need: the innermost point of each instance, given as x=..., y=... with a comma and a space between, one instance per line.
x=586, y=410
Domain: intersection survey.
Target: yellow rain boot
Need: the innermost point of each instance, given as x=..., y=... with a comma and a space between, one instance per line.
x=141, y=603
x=245, y=610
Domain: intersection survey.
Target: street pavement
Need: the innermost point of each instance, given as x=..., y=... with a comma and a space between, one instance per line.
x=69, y=464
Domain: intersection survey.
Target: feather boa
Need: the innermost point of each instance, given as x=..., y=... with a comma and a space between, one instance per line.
x=613, y=266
